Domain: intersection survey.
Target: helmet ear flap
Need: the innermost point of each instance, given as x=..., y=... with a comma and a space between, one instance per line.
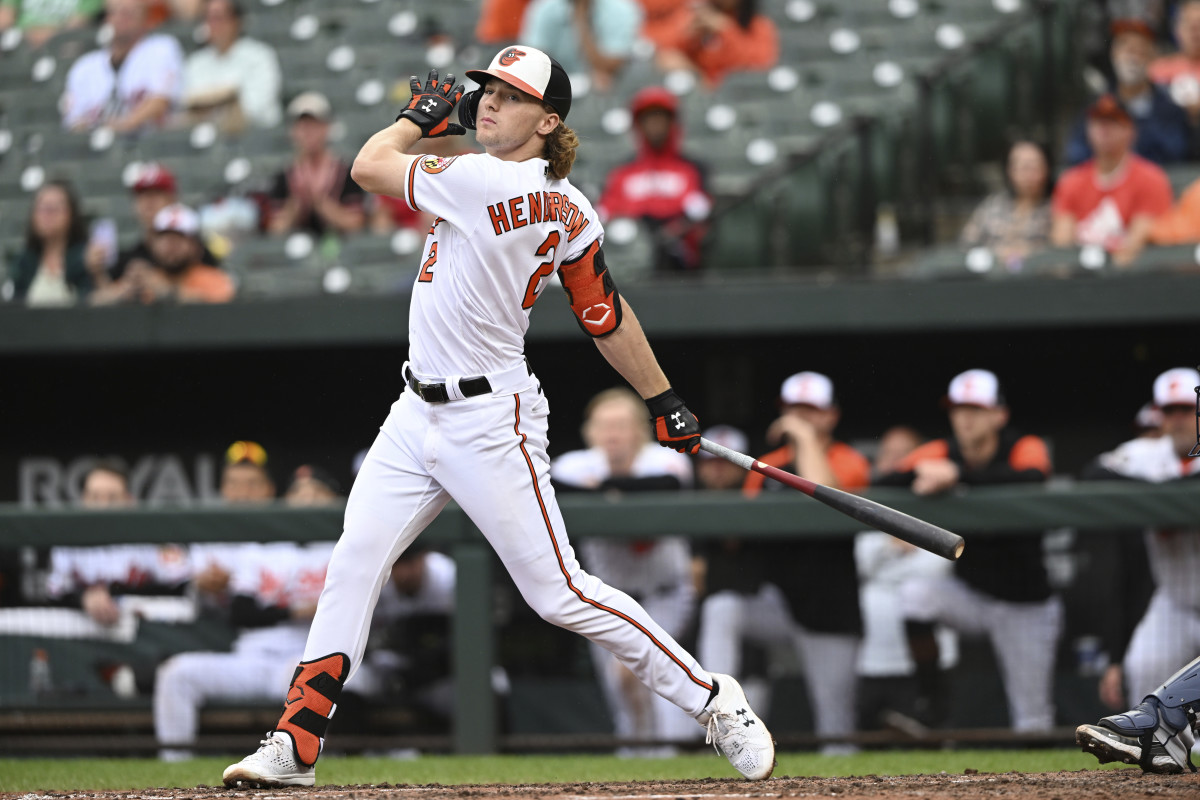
x=468, y=108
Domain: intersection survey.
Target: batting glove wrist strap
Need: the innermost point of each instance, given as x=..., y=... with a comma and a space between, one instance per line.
x=431, y=105
x=674, y=426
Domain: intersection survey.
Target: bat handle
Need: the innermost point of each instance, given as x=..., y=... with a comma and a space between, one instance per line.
x=742, y=460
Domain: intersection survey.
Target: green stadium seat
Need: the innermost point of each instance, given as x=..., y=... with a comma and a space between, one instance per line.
x=279, y=282
x=1177, y=258
x=738, y=238
x=1182, y=176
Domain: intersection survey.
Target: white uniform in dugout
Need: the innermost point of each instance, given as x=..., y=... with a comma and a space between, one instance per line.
x=471, y=424
x=1169, y=633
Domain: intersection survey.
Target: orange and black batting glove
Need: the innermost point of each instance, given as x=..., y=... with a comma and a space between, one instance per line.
x=431, y=105
x=674, y=426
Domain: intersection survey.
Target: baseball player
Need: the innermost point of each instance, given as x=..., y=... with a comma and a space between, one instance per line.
x=809, y=594
x=275, y=589
x=657, y=573
x=471, y=425
x=1003, y=590
x=1159, y=733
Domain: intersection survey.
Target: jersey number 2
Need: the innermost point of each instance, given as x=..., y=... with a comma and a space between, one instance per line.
x=544, y=269
x=427, y=268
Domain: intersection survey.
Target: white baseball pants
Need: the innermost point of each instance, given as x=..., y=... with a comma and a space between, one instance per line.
x=1024, y=637
x=488, y=453
x=729, y=618
x=185, y=682
x=1167, y=636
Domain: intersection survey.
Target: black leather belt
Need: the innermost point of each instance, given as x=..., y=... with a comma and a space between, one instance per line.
x=436, y=392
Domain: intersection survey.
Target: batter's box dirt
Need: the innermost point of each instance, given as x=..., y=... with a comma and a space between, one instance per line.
x=1120, y=784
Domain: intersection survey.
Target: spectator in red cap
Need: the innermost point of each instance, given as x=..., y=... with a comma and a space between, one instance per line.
x=716, y=37
x=177, y=273
x=660, y=187
x=1164, y=134
x=1112, y=199
x=1179, y=73
x=153, y=190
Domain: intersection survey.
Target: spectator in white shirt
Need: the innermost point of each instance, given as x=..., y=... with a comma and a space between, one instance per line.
x=132, y=84
x=234, y=81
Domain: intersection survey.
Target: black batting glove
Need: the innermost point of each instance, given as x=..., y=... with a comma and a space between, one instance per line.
x=674, y=426
x=431, y=105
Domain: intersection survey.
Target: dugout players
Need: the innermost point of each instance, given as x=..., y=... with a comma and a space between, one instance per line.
x=1001, y=591
x=810, y=591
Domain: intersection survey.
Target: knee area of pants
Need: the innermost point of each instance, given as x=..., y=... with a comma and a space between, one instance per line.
x=170, y=671
x=555, y=613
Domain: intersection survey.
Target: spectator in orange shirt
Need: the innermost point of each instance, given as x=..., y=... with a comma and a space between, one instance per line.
x=657, y=25
x=177, y=273
x=1113, y=198
x=1180, y=72
x=1002, y=591
x=716, y=37
x=1180, y=225
x=816, y=578
x=500, y=21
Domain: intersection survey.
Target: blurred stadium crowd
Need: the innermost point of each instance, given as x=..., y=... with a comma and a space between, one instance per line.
x=198, y=151
x=243, y=116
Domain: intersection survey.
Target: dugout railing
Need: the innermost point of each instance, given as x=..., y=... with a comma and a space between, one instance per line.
x=1083, y=507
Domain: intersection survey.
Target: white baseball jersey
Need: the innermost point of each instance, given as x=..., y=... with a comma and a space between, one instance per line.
x=502, y=229
x=280, y=574
x=96, y=92
x=283, y=575
x=73, y=569
x=883, y=567
x=1174, y=554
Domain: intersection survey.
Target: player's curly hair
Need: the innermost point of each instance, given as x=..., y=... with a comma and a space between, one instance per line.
x=560, y=151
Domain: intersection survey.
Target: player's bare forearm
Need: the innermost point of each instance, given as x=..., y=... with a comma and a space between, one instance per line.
x=381, y=166
x=629, y=353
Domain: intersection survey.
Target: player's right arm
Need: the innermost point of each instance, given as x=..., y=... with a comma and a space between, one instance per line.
x=381, y=166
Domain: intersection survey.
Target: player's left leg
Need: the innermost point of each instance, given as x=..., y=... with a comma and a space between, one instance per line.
x=494, y=464
x=393, y=499
x=1158, y=734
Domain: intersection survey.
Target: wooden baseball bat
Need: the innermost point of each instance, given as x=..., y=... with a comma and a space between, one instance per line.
x=875, y=515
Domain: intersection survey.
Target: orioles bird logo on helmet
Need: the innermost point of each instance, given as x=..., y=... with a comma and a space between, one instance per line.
x=511, y=56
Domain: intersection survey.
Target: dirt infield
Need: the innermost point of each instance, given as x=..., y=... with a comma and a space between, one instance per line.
x=1091, y=784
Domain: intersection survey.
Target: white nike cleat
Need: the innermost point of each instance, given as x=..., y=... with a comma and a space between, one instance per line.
x=273, y=764
x=736, y=731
